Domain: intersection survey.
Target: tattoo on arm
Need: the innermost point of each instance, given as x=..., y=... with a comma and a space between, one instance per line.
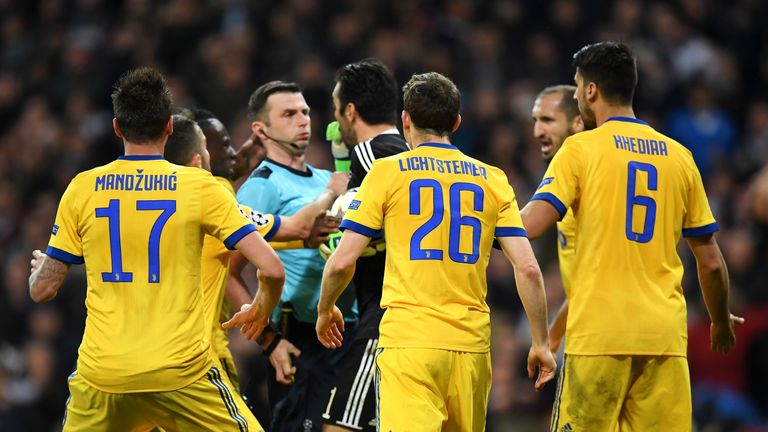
x=47, y=278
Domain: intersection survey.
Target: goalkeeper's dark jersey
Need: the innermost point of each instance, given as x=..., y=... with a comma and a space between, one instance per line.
x=369, y=275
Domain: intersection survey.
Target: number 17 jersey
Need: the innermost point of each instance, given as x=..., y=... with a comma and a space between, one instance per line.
x=633, y=192
x=440, y=211
x=138, y=224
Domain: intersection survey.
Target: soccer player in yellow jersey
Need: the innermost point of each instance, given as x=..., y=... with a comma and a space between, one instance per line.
x=555, y=118
x=205, y=143
x=138, y=226
x=439, y=211
x=633, y=192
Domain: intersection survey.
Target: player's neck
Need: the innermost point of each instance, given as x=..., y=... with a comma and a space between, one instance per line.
x=155, y=148
x=283, y=157
x=420, y=139
x=607, y=111
x=367, y=132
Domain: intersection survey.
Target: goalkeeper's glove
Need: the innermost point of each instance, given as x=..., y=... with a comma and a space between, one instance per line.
x=338, y=148
x=327, y=248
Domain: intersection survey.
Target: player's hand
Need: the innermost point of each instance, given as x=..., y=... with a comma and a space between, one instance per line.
x=329, y=327
x=280, y=359
x=722, y=338
x=338, y=183
x=541, y=357
x=248, y=156
x=37, y=260
x=252, y=321
x=324, y=225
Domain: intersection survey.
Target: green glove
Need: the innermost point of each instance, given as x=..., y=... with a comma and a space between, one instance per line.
x=338, y=148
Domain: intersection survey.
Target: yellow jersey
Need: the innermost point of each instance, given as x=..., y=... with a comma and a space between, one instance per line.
x=215, y=268
x=440, y=211
x=138, y=224
x=633, y=192
x=566, y=248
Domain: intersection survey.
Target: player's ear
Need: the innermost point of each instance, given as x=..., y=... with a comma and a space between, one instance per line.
x=350, y=112
x=116, y=128
x=406, y=118
x=577, y=125
x=257, y=128
x=456, y=125
x=197, y=161
x=592, y=91
x=169, y=126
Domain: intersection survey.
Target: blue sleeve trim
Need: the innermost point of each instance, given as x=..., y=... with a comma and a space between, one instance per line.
x=275, y=228
x=510, y=232
x=701, y=231
x=360, y=229
x=64, y=256
x=556, y=203
x=238, y=235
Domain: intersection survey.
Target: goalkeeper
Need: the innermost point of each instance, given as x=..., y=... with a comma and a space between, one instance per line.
x=365, y=107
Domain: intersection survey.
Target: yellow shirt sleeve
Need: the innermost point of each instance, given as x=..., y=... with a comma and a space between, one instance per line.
x=508, y=222
x=65, y=243
x=698, y=220
x=221, y=216
x=560, y=186
x=365, y=214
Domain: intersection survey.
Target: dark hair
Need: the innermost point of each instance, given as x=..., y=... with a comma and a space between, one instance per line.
x=370, y=86
x=199, y=114
x=184, y=142
x=568, y=104
x=612, y=67
x=142, y=104
x=259, y=97
x=433, y=102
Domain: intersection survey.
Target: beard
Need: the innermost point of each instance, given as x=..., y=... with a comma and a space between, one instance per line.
x=348, y=135
x=587, y=116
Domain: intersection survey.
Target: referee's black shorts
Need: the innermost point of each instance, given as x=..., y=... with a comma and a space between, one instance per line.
x=352, y=400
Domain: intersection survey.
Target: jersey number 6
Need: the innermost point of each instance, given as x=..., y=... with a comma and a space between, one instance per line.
x=639, y=200
x=456, y=220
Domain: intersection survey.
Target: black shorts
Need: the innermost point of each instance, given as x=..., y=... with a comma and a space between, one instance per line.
x=352, y=400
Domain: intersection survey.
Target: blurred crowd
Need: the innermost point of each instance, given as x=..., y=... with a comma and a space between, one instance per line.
x=703, y=80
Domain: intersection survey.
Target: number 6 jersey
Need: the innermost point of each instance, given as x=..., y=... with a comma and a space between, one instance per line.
x=633, y=192
x=138, y=225
x=440, y=211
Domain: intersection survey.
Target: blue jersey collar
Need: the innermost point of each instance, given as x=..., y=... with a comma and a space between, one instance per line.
x=438, y=145
x=627, y=119
x=141, y=157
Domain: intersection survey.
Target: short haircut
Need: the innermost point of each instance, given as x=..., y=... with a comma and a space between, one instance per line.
x=199, y=114
x=433, y=103
x=568, y=104
x=184, y=143
x=258, y=99
x=371, y=87
x=612, y=67
x=142, y=105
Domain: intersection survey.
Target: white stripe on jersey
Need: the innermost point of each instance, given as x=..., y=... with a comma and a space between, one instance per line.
x=362, y=155
x=362, y=380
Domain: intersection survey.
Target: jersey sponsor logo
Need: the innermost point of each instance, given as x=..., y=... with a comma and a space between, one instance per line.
x=545, y=182
x=354, y=205
x=55, y=229
x=566, y=428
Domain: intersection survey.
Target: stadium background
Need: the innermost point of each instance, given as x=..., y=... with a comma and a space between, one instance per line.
x=703, y=73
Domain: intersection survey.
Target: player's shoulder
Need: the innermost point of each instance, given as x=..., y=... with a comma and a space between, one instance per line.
x=261, y=172
x=386, y=144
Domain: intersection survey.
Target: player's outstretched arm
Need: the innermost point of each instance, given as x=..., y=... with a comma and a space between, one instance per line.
x=337, y=274
x=303, y=224
x=271, y=277
x=557, y=327
x=47, y=276
x=713, y=278
x=530, y=287
x=538, y=216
